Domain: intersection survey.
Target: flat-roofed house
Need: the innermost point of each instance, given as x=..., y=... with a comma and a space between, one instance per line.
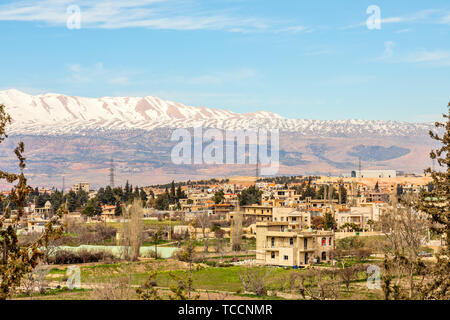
x=278, y=245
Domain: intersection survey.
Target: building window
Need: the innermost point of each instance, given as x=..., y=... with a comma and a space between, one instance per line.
x=286, y=258
x=305, y=243
x=273, y=242
x=272, y=255
x=329, y=242
x=324, y=242
x=291, y=241
x=324, y=255
x=294, y=219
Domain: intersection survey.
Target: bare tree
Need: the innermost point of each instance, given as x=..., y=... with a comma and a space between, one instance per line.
x=236, y=231
x=204, y=221
x=131, y=230
x=406, y=231
x=255, y=280
x=347, y=275
x=318, y=284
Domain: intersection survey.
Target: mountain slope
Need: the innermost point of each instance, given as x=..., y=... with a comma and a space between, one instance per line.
x=59, y=114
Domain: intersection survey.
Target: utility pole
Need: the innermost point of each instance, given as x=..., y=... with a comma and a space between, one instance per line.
x=111, y=174
x=359, y=166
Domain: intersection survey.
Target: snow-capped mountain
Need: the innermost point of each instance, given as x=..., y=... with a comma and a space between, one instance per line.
x=60, y=114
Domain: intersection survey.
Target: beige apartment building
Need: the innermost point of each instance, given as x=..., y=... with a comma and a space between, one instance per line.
x=259, y=212
x=278, y=245
x=81, y=186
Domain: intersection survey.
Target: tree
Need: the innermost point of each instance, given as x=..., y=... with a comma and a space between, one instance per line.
x=131, y=230
x=317, y=284
x=318, y=222
x=203, y=220
x=143, y=195
x=250, y=196
x=118, y=209
x=236, y=231
x=157, y=236
x=16, y=261
x=343, y=194
x=162, y=201
x=347, y=275
x=435, y=202
x=329, y=222
x=255, y=280
x=93, y=208
x=308, y=193
x=180, y=194
x=71, y=201
x=405, y=229
x=219, y=196
x=172, y=193
x=148, y=290
x=127, y=191
x=183, y=289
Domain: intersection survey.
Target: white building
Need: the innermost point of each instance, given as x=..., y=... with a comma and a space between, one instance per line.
x=374, y=174
x=81, y=186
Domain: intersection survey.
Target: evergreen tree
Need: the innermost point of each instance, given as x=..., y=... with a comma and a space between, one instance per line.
x=436, y=203
x=143, y=195
x=71, y=201
x=127, y=191
x=172, y=191
x=136, y=194
x=109, y=197
x=118, y=209
x=219, y=196
x=250, y=196
x=330, y=223
x=343, y=194
x=180, y=194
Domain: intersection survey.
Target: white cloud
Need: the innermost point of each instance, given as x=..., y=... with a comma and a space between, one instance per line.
x=79, y=74
x=446, y=19
x=403, y=30
x=441, y=57
x=424, y=16
x=154, y=14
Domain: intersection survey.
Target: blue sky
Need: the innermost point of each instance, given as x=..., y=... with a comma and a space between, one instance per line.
x=301, y=59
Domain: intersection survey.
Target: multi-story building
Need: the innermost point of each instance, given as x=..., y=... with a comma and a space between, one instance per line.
x=85, y=186
x=278, y=245
x=359, y=216
x=258, y=212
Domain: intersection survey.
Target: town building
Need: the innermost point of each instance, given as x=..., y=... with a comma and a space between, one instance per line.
x=277, y=245
x=86, y=187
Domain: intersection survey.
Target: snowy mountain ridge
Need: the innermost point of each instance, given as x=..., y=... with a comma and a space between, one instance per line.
x=55, y=114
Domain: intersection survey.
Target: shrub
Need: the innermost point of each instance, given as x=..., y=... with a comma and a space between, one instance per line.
x=151, y=254
x=362, y=253
x=81, y=256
